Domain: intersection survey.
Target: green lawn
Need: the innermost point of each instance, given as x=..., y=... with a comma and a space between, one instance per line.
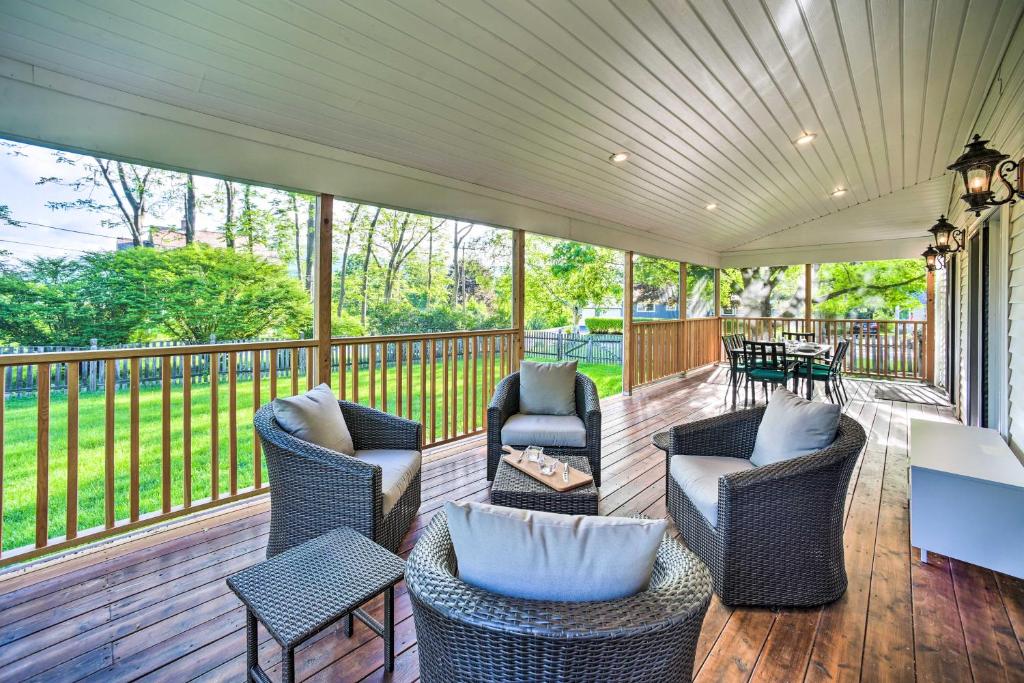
x=19, y=453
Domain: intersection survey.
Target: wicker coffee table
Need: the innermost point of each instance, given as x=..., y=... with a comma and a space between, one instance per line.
x=302, y=591
x=512, y=488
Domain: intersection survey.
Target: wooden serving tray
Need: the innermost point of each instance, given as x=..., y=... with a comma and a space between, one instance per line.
x=554, y=481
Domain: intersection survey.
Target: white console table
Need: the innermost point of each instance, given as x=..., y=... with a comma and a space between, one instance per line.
x=966, y=496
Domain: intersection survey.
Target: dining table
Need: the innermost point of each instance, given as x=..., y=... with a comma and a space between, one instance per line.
x=805, y=351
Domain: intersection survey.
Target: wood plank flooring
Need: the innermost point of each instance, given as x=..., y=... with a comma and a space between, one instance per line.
x=155, y=607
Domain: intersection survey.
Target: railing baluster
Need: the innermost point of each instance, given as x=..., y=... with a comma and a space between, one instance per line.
x=295, y=371
x=433, y=390
x=465, y=385
x=476, y=397
x=355, y=372
x=42, y=454
x=133, y=465
x=310, y=363
x=398, y=378
x=186, y=429
x=342, y=372
x=423, y=385
x=233, y=420
x=110, y=389
x=257, y=466
x=408, y=380
x=165, y=433
x=71, y=527
x=384, y=377
x=215, y=421
x=372, y=363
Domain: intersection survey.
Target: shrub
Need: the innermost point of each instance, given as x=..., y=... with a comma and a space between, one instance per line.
x=604, y=325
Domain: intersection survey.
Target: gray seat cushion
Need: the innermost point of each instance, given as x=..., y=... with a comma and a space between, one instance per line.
x=547, y=556
x=698, y=475
x=398, y=468
x=544, y=430
x=547, y=388
x=793, y=426
x=315, y=417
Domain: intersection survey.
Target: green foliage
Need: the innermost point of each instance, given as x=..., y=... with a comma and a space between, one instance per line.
x=655, y=280
x=137, y=294
x=203, y=291
x=401, y=317
x=763, y=291
x=583, y=275
x=604, y=325
x=869, y=289
x=700, y=291
x=347, y=325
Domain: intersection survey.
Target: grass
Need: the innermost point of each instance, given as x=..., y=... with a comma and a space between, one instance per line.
x=20, y=432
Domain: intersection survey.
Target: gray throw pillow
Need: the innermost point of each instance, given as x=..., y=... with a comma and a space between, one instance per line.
x=793, y=426
x=546, y=556
x=547, y=388
x=315, y=417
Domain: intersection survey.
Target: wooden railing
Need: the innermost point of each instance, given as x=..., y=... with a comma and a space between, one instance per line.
x=78, y=465
x=883, y=349
x=665, y=348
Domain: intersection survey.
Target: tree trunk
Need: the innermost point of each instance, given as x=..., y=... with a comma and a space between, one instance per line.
x=310, y=243
x=366, y=267
x=344, y=256
x=229, y=214
x=298, y=235
x=395, y=259
x=190, y=209
x=248, y=229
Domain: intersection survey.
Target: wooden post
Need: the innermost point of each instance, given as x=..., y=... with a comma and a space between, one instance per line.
x=808, y=298
x=322, y=288
x=682, y=290
x=518, y=292
x=929, y=330
x=718, y=298
x=627, y=327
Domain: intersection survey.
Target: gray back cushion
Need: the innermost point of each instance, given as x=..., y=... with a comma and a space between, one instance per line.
x=792, y=427
x=547, y=556
x=315, y=417
x=547, y=388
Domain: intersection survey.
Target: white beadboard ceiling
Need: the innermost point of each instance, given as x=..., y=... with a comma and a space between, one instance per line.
x=530, y=97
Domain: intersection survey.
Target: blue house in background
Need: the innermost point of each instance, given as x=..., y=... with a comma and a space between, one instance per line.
x=659, y=310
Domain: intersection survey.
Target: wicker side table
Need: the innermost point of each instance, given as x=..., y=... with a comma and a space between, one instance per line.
x=305, y=589
x=515, y=489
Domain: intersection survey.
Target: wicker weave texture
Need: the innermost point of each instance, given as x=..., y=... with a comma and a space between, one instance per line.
x=466, y=634
x=779, y=539
x=314, y=490
x=514, y=489
x=505, y=403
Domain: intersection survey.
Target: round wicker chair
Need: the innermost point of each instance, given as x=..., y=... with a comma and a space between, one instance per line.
x=467, y=634
x=779, y=537
x=314, y=490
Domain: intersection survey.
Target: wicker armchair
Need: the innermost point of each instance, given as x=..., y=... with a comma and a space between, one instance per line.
x=505, y=403
x=314, y=490
x=779, y=535
x=467, y=634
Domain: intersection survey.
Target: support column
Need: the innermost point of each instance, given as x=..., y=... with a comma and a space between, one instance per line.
x=808, y=298
x=519, y=292
x=322, y=307
x=682, y=290
x=929, y=330
x=627, y=327
x=718, y=289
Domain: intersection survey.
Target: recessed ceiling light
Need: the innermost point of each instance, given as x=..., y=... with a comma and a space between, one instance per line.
x=806, y=138
x=839, y=192
x=618, y=157
x=711, y=207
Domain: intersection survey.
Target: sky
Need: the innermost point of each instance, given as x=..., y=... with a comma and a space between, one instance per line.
x=47, y=232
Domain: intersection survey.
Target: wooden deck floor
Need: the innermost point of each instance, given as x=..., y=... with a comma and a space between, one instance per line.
x=157, y=608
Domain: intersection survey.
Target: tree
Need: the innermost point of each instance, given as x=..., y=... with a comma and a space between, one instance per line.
x=655, y=280
x=352, y=218
x=130, y=188
x=189, y=221
x=869, y=289
x=366, y=268
x=205, y=291
x=229, y=214
x=584, y=275
x=763, y=291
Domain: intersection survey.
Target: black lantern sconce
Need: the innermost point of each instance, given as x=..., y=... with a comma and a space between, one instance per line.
x=979, y=166
x=948, y=238
x=933, y=259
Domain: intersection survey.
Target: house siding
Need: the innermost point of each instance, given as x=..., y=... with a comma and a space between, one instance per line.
x=1015, y=379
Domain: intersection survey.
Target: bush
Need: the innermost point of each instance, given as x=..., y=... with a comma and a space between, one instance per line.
x=604, y=325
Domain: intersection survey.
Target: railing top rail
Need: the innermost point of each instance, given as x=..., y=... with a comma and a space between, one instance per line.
x=415, y=336
x=825, y=320
x=225, y=347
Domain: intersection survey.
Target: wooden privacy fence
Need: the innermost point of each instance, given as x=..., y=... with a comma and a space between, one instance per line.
x=669, y=347
x=883, y=349
x=81, y=465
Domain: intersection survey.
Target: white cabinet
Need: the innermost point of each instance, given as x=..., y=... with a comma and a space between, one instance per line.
x=966, y=496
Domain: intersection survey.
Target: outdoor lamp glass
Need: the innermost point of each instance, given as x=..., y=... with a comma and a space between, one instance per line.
x=977, y=165
x=948, y=239
x=932, y=258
